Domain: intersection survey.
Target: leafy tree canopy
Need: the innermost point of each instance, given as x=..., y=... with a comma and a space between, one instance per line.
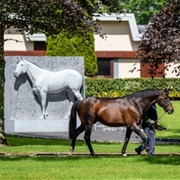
x=143, y=9
x=161, y=40
x=51, y=16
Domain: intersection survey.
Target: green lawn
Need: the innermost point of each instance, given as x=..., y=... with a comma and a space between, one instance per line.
x=172, y=122
x=87, y=167
x=30, y=146
x=23, y=164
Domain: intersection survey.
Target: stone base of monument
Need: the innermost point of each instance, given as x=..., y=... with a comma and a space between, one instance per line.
x=35, y=126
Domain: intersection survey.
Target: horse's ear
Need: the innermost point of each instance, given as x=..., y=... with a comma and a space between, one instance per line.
x=167, y=89
x=20, y=58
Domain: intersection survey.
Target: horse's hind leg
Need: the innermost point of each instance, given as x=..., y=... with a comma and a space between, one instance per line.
x=126, y=140
x=43, y=95
x=87, y=138
x=77, y=94
x=71, y=98
x=78, y=131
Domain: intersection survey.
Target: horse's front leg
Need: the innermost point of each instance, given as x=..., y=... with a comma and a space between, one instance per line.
x=87, y=137
x=126, y=140
x=43, y=95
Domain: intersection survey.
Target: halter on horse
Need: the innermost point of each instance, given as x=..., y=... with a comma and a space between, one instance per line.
x=126, y=111
x=44, y=81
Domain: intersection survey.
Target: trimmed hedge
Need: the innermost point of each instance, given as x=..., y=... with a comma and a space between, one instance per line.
x=121, y=87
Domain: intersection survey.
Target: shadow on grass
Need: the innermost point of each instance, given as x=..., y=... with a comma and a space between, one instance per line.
x=19, y=141
x=166, y=160
x=175, y=132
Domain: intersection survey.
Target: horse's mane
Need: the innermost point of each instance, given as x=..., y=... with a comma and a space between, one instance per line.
x=32, y=63
x=107, y=98
x=144, y=93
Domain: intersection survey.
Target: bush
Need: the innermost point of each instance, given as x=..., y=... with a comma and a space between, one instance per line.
x=64, y=44
x=121, y=87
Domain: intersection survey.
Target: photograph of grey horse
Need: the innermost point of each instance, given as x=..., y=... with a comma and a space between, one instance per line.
x=47, y=82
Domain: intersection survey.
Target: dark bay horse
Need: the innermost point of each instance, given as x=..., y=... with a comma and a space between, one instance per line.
x=126, y=111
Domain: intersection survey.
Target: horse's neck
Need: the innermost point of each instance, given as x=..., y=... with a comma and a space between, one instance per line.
x=149, y=104
x=33, y=71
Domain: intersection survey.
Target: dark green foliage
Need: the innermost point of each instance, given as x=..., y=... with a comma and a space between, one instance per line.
x=143, y=9
x=121, y=87
x=65, y=45
x=161, y=40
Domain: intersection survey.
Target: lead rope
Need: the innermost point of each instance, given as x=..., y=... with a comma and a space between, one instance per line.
x=161, y=116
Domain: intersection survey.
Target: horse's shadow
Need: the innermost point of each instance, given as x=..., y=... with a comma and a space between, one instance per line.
x=20, y=81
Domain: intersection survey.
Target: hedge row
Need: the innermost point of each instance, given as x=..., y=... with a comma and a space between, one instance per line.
x=121, y=87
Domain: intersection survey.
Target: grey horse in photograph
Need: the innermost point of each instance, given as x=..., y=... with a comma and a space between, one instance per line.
x=48, y=82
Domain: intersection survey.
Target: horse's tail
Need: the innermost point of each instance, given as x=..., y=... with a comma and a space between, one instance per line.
x=72, y=121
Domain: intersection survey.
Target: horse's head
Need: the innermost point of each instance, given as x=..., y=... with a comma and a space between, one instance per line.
x=164, y=101
x=21, y=67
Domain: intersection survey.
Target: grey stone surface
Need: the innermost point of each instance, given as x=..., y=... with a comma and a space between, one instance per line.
x=22, y=107
x=113, y=136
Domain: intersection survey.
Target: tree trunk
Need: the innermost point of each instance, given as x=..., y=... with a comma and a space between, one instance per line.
x=2, y=81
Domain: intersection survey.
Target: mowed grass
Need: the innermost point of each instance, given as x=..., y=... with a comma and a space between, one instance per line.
x=171, y=122
x=23, y=162
x=87, y=167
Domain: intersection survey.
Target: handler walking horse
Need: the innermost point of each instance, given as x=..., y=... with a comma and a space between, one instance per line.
x=44, y=81
x=126, y=111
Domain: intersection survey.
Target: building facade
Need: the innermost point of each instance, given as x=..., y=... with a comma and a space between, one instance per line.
x=116, y=53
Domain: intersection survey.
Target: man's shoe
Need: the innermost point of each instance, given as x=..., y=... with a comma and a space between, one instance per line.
x=138, y=151
x=150, y=154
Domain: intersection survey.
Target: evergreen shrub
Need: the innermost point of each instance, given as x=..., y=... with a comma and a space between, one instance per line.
x=64, y=44
x=106, y=87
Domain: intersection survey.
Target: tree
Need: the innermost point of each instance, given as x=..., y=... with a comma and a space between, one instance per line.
x=46, y=16
x=65, y=45
x=142, y=9
x=161, y=41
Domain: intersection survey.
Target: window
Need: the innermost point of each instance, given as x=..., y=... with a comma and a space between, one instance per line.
x=105, y=67
x=39, y=46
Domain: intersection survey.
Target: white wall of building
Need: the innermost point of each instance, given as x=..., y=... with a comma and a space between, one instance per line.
x=17, y=42
x=113, y=43
x=125, y=65
x=169, y=73
x=118, y=35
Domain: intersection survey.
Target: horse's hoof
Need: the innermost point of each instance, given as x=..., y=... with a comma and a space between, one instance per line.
x=70, y=153
x=93, y=154
x=67, y=117
x=124, y=155
x=42, y=117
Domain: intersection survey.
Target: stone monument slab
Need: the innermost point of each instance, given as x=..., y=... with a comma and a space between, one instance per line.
x=22, y=105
